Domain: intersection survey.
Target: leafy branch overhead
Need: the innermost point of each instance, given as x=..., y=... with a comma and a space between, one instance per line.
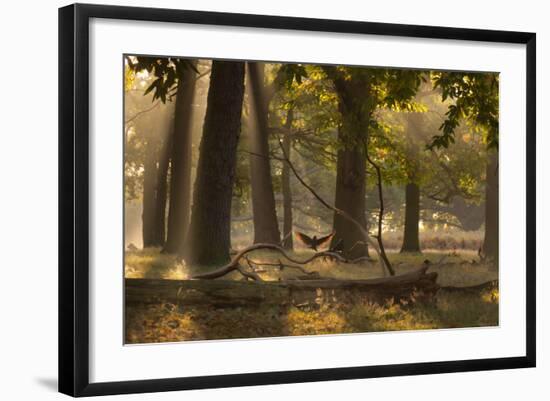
x=475, y=98
x=166, y=72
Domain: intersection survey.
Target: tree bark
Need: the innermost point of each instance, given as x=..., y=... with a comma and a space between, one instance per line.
x=491, y=243
x=411, y=241
x=209, y=232
x=287, y=192
x=266, y=228
x=149, y=184
x=350, y=197
x=159, y=234
x=351, y=164
x=180, y=166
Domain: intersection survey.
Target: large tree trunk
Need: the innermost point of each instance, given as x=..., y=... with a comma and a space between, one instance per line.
x=180, y=166
x=266, y=227
x=209, y=232
x=490, y=243
x=159, y=235
x=352, y=163
x=411, y=241
x=149, y=189
x=287, y=193
x=350, y=197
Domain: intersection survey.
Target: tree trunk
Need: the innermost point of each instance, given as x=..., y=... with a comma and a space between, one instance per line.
x=287, y=194
x=490, y=243
x=149, y=189
x=411, y=241
x=209, y=232
x=159, y=234
x=180, y=166
x=266, y=227
x=350, y=197
x=356, y=114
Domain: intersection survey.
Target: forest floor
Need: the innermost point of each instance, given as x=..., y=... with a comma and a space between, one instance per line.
x=165, y=322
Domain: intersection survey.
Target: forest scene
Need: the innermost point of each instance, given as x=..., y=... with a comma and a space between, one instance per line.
x=268, y=199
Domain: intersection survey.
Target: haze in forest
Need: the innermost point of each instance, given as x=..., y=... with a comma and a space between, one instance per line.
x=388, y=170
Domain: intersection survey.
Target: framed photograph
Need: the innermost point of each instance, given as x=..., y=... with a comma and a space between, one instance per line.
x=250, y=199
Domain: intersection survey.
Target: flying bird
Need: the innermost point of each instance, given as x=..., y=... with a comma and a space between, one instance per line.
x=314, y=242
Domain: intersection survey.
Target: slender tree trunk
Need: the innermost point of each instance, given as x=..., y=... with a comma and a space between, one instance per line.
x=209, y=232
x=180, y=166
x=149, y=189
x=411, y=241
x=161, y=193
x=491, y=243
x=266, y=227
x=287, y=194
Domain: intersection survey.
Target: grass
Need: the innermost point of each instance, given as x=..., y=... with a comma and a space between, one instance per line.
x=445, y=239
x=167, y=322
x=459, y=268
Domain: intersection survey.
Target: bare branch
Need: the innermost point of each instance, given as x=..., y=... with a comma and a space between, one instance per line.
x=249, y=274
x=336, y=210
x=139, y=113
x=234, y=264
x=381, y=210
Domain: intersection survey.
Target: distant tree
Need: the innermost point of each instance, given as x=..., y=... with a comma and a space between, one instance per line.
x=302, y=116
x=288, y=242
x=490, y=243
x=180, y=165
x=476, y=98
x=438, y=175
x=170, y=77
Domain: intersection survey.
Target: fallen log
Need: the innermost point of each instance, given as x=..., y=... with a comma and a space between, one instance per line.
x=418, y=284
x=488, y=285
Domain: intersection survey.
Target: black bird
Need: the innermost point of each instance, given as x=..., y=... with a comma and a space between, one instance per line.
x=314, y=242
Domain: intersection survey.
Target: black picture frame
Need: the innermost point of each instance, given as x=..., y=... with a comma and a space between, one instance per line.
x=74, y=198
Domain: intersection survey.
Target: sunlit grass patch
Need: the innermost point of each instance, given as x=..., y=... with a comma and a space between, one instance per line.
x=457, y=268
x=373, y=317
x=151, y=263
x=311, y=321
x=169, y=323
x=439, y=239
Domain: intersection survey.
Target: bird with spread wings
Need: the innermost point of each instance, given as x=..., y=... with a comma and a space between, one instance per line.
x=313, y=242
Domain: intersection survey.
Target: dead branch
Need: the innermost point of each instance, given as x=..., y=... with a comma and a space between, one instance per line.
x=249, y=274
x=380, y=211
x=234, y=264
x=281, y=266
x=342, y=213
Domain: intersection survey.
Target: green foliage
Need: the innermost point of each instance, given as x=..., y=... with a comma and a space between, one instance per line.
x=145, y=128
x=287, y=74
x=166, y=72
x=475, y=97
